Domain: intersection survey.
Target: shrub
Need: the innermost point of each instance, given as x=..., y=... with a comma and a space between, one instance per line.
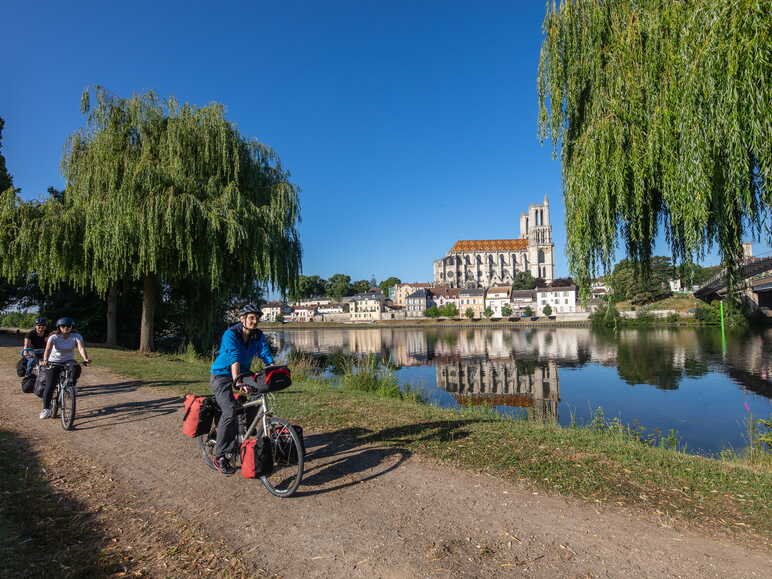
x=606, y=316
x=547, y=310
x=469, y=313
x=432, y=312
x=528, y=312
x=506, y=310
x=488, y=313
x=17, y=320
x=673, y=317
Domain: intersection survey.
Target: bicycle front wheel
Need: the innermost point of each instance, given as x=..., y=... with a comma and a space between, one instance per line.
x=68, y=406
x=287, y=459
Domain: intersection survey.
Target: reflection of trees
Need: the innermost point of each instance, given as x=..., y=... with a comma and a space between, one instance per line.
x=644, y=362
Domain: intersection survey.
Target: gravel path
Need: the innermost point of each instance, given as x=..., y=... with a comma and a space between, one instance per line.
x=362, y=510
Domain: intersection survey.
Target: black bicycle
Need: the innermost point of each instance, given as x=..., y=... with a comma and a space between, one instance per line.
x=256, y=419
x=65, y=393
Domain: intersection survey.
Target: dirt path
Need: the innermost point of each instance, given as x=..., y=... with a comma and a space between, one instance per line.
x=362, y=511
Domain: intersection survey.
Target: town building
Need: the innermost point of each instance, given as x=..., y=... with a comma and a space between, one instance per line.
x=272, y=311
x=496, y=298
x=366, y=307
x=417, y=303
x=402, y=290
x=442, y=295
x=471, y=298
x=561, y=299
x=486, y=263
x=521, y=299
x=303, y=313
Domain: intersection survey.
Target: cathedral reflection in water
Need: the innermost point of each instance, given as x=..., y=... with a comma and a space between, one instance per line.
x=531, y=385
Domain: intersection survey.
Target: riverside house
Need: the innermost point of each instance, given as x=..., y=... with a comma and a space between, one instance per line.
x=562, y=299
x=272, y=310
x=367, y=307
x=442, y=295
x=496, y=298
x=471, y=298
x=417, y=303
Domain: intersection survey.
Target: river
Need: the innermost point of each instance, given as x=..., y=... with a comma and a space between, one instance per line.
x=661, y=378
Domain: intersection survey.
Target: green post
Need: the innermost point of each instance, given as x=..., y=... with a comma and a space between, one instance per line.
x=723, y=329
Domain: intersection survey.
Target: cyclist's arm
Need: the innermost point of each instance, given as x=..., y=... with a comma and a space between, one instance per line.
x=27, y=344
x=264, y=351
x=82, y=350
x=235, y=370
x=49, y=345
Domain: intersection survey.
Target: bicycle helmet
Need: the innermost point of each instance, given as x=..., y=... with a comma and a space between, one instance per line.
x=250, y=309
x=40, y=321
x=65, y=322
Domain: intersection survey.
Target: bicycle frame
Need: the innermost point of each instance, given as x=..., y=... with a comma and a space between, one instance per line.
x=263, y=414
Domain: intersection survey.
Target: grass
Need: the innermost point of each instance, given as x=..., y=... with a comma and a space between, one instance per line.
x=677, y=302
x=601, y=462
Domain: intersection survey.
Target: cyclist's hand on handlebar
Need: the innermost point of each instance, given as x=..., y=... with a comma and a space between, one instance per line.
x=87, y=361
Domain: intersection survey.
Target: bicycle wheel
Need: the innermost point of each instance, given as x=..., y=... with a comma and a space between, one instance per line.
x=287, y=459
x=206, y=443
x=68, y=406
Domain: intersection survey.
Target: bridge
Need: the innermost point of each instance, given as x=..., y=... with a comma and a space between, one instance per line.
x=715, y=287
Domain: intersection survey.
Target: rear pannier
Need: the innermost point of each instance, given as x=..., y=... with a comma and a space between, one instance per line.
x=256, y=457
x=200, y=412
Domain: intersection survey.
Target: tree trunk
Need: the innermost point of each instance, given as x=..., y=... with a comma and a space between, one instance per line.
x=149, y=300
x=112, y=316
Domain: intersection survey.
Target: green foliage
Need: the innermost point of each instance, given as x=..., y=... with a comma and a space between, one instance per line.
x=432, y=312
x=660, y=111
x=469, y=313
x=642, y=285
x=547, y=310
x=308, y=287
x=17, y=320
x=488, y=313
x=765, y=432
x=338, y=286
x=523, y=280
x=528, y=312
x=673, y=318
x=387, y=284
x=606, y=316
x=6, y=182
x=506, y=310
x=734, y=315
x=360, y=287
x=449, y=310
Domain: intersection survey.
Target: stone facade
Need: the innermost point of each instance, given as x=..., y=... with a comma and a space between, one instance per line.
x=561, y=299
x=489, y=262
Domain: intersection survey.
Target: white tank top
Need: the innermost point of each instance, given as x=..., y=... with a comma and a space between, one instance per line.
x=63, y=347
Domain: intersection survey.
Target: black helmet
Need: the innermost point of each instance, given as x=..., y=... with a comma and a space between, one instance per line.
x=40, y=321
x=65, y=322
x=250, y=309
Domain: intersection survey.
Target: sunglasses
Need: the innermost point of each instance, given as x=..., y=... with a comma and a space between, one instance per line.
x=67, y=326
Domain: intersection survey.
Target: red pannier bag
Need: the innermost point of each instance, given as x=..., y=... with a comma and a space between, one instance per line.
x=278, y=377
x=199, y=414
x=256, y=457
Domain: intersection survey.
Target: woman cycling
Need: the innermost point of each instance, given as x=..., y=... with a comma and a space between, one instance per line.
x=60, y=350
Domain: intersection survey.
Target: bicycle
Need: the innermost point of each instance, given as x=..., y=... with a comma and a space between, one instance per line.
x=256, y=419
x=65, y=393
x=28, y=381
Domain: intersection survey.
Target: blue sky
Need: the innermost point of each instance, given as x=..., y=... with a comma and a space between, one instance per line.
x=407, y=125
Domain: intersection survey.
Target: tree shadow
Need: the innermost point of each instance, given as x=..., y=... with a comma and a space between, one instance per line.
x=47, y=531
x=351, y=456
x=125, y=412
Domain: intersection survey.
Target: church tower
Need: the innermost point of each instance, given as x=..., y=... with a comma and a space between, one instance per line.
x=535, y=227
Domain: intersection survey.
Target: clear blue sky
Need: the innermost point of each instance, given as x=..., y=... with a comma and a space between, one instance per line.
x=407, y=124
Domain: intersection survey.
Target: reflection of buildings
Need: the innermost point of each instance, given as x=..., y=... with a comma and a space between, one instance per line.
x=527, y=384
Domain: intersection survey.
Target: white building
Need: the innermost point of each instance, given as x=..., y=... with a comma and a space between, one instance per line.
x=272, y=310
x=303, y=313
x=561, y=299
x=485, y=263
x=366, y=307
x=496, y=298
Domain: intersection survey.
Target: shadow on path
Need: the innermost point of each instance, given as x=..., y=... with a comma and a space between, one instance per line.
x=349, y=457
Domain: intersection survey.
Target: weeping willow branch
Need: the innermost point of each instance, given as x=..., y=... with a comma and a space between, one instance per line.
x=661, y=112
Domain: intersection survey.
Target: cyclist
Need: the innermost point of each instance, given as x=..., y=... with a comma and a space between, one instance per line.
x=35, y=339
x=238, y=347
x=60, y=351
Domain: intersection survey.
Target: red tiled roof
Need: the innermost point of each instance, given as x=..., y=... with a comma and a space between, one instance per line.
x=489, y=245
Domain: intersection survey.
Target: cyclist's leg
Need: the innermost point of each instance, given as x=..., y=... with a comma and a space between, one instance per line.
x=52, y=377
x=226, y=428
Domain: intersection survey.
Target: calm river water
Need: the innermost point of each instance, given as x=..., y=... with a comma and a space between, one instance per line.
x=659, y=378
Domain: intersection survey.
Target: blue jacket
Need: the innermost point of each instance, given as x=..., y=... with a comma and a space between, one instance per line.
x=233, y=349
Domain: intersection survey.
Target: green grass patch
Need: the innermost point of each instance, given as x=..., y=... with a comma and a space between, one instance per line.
x=604, y=463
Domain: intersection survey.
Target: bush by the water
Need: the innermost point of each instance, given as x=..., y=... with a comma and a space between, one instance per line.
x=734, y=314
x=368, y=374
x=17, y=320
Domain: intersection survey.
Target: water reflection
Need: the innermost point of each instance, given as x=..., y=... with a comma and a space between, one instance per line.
x=560, y=373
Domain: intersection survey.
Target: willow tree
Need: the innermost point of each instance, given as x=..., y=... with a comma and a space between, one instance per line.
x=172, y=193
x=662, y=114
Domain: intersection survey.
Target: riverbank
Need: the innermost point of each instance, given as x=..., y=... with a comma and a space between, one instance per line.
x=600, y=464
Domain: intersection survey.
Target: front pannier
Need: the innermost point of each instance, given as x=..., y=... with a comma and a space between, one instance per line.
x=40, y=382
x=21, y=367
x=200, y=411
x=256, y=457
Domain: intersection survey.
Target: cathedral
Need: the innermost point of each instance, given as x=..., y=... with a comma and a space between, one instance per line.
x=484, y=263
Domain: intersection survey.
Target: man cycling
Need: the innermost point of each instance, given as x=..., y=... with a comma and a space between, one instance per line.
x=35, y=339
x=238, y=347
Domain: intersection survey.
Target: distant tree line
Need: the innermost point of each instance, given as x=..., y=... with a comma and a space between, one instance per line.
x=337, y=286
